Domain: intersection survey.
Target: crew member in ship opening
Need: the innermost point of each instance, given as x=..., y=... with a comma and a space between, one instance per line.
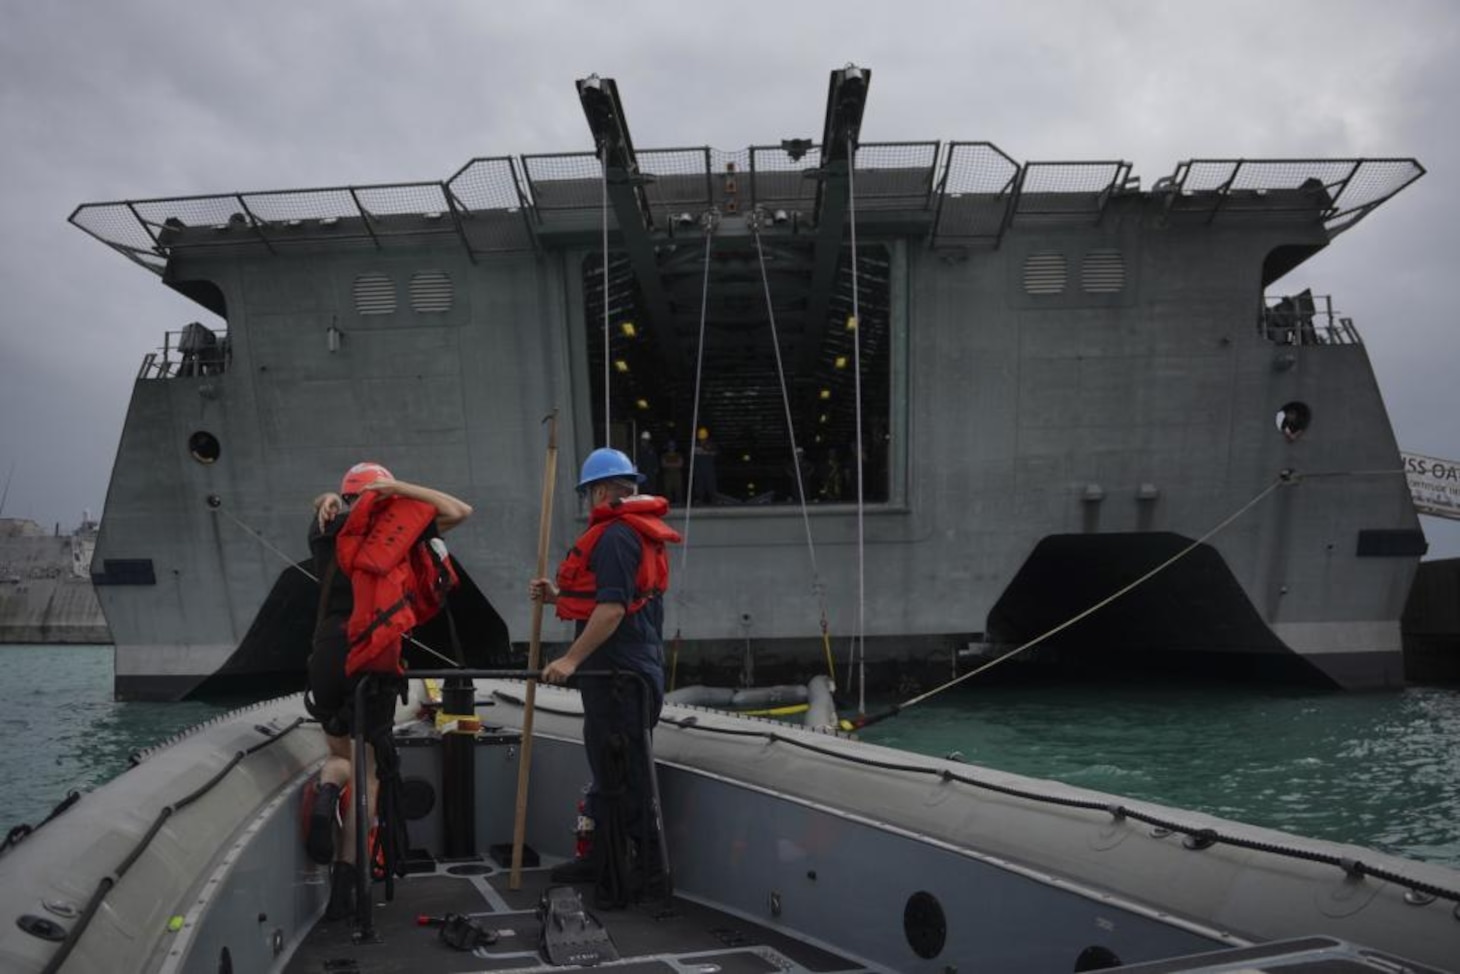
x=330, y=837
x=612, y=585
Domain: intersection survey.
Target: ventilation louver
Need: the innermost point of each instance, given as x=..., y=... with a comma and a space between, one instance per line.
x=374, y=294
x=1045, y=274
x=431, y=292
x=1103, y=272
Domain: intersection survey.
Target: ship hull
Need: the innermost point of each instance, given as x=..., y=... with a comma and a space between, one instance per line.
x=984, y=485
x=1078, y=431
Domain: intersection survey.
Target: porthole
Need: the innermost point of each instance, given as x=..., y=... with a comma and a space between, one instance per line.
x=203, y=447
x=1293, y=420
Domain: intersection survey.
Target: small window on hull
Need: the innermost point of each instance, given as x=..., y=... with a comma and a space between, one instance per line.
x=1293, y=420
x=204, y=447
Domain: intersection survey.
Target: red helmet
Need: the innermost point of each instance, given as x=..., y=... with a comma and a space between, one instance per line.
x=361, y=474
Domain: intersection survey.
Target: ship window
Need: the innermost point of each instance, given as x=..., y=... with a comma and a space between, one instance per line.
x=1103, y=272
x=741, y=450
x=374, y=294
x=431, y=292
x=1045, y=273
x=203, y=447
x=1293, y=419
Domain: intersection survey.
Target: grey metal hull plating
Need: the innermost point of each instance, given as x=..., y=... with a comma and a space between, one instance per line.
x=1149, y=412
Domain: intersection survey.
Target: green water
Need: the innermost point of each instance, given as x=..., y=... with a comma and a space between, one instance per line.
x=60, y=728
x=1377, y=770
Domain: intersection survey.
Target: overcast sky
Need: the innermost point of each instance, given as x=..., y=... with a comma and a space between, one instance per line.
x=104, y=100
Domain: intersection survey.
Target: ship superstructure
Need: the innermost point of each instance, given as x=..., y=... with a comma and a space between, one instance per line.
x=917, y=391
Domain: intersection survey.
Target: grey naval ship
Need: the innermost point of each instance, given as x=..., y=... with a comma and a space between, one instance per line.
x=918, y=403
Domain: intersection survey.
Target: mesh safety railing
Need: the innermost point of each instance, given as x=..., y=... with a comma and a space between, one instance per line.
x=1067, y=189
x=1341, y=191
x=974, y=191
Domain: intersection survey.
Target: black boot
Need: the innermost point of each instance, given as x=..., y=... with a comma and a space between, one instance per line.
x=319, y=841
x=651, y=884
x=342, y=892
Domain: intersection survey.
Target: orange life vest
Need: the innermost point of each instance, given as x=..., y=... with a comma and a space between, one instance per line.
x=577, y=586
x=398, y=578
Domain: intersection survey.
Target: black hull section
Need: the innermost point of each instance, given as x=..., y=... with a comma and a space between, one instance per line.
x=273, y=655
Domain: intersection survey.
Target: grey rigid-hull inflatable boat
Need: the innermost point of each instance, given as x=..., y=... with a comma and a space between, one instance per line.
x=790, y=849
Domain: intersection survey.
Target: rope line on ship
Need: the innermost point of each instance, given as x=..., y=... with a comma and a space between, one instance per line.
x=709, y=222
x=859, y=641
x=1284, y=478
x=607, y=401
x=817, y=585
x=1198, y=837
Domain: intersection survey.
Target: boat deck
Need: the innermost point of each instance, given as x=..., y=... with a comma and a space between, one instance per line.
x=678, y=936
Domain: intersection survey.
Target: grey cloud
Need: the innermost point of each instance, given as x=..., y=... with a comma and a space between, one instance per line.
x=100, y=100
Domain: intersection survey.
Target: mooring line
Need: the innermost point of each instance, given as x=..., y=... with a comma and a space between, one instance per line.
x=1284, y=478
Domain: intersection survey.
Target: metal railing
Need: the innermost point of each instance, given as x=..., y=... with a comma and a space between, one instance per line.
x=1306, y=319
x=496, y=204
x=1340, y=191
x=192, y=351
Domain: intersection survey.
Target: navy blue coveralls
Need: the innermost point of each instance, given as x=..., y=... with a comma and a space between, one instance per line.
x=613, y=706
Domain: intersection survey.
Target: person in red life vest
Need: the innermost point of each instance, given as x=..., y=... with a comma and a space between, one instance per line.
x=329, y=836
x=612, y=585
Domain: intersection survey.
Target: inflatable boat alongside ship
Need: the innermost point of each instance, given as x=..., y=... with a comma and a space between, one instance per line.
x=789, y=849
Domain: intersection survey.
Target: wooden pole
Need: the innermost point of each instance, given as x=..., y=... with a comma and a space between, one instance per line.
x=534, y=652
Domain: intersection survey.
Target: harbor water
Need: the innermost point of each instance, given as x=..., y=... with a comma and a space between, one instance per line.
x=1378, y=770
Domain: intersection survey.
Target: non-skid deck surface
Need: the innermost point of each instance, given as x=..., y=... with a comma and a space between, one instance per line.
x=648, y=939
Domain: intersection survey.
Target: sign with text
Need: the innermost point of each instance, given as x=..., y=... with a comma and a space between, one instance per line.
x=1434, y=484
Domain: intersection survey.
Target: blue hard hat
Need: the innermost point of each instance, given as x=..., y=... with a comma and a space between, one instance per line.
x=607, y=463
